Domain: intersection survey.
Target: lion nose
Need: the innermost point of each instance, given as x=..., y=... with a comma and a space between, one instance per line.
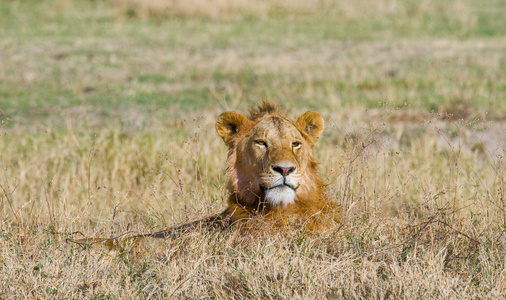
x=285, y=171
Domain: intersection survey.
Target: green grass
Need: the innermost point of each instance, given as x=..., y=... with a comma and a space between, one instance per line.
x=425, y=55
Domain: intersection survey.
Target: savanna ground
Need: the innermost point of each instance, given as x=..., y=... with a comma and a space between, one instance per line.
x=107, y=127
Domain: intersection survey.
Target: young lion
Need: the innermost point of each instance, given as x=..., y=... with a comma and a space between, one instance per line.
x=273, y=179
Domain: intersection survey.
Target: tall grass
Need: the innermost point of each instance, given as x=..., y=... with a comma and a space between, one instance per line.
x=423, y=217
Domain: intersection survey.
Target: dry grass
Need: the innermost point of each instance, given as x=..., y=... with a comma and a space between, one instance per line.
x=216, y=9
x=423, y=218
x=457, y=11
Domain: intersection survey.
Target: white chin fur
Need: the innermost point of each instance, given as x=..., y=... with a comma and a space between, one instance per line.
x=280, y=196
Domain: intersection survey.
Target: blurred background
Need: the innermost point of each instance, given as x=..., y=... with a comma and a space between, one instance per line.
x=130, y=61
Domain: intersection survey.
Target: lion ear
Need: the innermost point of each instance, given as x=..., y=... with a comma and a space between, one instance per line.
x=230, y=124
x=312, y=124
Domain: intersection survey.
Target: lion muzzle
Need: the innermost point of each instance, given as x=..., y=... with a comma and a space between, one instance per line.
x=280, y=195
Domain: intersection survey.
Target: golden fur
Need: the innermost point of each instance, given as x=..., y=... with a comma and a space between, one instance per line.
x=259, y=148
x=273, y=179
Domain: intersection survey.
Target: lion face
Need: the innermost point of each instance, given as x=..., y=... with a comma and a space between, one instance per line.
x=269, y=155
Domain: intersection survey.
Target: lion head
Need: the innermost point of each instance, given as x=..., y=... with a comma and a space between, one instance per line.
x=270, y=165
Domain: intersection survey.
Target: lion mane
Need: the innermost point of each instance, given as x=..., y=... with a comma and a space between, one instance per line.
x=273, y=178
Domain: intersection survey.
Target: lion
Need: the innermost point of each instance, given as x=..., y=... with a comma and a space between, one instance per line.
x=273, y=179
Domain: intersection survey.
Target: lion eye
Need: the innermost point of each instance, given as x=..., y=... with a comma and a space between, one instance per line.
x=296, y=144
x=261, y=143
